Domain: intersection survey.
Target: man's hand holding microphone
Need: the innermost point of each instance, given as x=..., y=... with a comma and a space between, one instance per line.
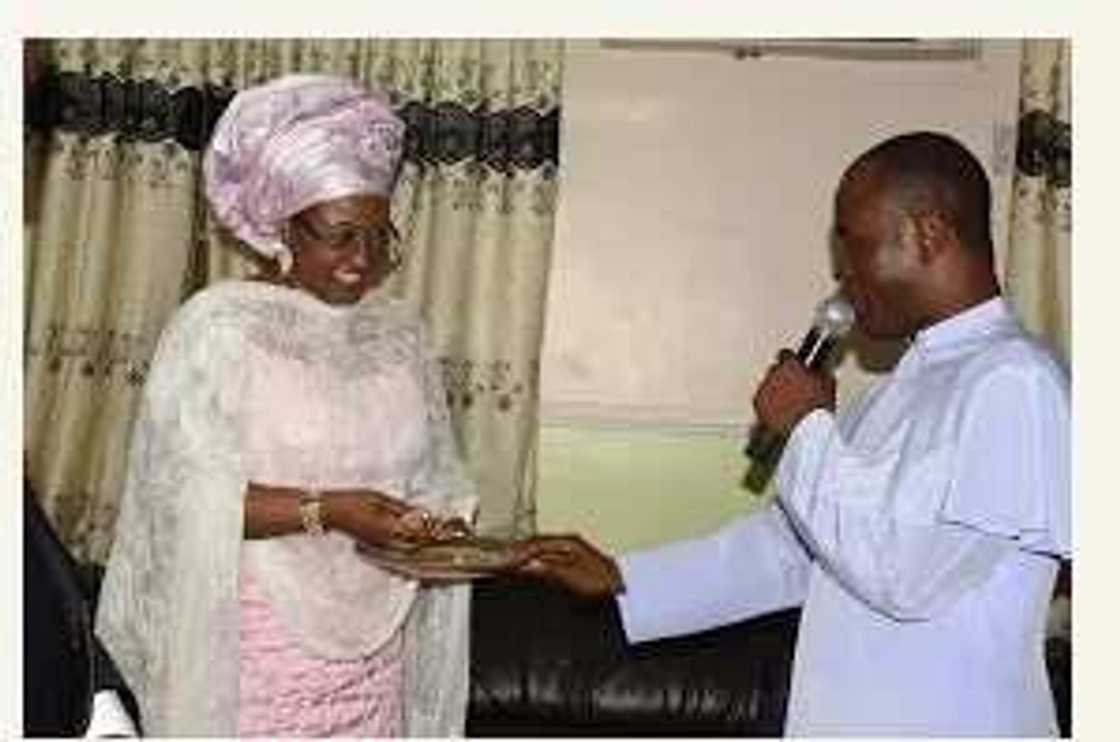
x=790, y=391
x=794, y=386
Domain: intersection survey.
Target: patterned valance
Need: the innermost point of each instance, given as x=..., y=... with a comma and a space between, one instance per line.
x=148, y=110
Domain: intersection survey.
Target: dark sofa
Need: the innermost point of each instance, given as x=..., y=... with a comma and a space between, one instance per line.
x=546, y=664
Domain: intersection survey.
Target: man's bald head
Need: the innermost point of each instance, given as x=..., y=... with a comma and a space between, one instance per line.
x=926, y=172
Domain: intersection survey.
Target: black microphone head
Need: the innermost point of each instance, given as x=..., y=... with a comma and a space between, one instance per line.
x=833, y=317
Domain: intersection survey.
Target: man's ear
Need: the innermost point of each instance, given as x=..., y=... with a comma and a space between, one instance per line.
x=932, y=232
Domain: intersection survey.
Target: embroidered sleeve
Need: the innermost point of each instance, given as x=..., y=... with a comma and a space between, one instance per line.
x=170, y=588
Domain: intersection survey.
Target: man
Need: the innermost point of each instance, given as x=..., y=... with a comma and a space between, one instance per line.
x=921, y=528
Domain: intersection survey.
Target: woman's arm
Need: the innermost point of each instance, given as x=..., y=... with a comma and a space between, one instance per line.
x=366, y=515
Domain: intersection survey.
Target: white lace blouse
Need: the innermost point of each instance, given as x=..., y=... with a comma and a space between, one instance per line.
x=257, y=382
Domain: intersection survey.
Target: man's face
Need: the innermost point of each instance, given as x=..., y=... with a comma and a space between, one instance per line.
x=342, y=248
x=876, y=262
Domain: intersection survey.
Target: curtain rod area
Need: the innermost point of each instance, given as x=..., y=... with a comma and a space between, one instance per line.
x=852, y=49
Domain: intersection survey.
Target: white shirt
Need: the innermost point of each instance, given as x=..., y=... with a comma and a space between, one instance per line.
x=918, y=530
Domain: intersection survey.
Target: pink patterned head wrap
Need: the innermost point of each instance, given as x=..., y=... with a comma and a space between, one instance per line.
x=294, y=142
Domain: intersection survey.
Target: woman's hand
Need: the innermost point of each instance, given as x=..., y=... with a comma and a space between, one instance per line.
x=366, y=515
x=421, y=526
x=373, y=517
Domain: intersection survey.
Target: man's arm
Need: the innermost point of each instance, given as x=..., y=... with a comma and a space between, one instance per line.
x=751, y=566
x=913, y=568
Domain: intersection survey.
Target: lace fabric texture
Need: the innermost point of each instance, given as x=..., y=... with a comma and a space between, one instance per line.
x=288, y=692
x=256, y=382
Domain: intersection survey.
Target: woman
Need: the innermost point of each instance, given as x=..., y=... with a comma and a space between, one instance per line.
x=285, y=420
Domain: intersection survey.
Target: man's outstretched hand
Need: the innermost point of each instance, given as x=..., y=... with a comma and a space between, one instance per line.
x=570, y=562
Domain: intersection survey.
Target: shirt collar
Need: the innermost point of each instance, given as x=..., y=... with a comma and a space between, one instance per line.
x=962, y=333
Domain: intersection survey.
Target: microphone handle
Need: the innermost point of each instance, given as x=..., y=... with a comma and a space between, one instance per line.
x=815, y=348
x=764, y=444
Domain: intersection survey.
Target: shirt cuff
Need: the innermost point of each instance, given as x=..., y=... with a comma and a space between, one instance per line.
x=629, y=608
x=109, y=718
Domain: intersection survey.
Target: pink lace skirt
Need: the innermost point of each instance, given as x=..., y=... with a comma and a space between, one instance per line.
x=285, y=691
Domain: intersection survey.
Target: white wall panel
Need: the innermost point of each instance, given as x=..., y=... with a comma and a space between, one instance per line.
x=696, y=205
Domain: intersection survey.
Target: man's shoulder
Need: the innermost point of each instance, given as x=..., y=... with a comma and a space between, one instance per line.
x=1018, y=355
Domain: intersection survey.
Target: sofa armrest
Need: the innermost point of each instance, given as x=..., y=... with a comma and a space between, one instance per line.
x=1059, y=665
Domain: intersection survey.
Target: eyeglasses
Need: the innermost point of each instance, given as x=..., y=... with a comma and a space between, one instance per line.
x=383, y=239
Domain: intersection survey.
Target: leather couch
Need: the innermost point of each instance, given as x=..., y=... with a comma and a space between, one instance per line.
x=546, y=664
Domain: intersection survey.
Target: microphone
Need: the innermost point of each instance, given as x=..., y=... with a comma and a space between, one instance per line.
x=832, y=318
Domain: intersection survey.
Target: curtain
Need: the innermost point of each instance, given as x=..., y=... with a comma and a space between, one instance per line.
x=117, y=234
x=1038, y=259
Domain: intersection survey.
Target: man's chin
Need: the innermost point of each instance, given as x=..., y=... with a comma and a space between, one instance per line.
x=882, y=334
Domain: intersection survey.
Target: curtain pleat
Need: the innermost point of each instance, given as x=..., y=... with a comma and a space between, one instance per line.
x=117, y=235
x=1038, y=278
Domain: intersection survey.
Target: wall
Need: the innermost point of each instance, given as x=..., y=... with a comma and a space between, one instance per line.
x=692, y=242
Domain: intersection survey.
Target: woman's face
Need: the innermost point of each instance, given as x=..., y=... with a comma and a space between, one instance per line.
x=342, y=248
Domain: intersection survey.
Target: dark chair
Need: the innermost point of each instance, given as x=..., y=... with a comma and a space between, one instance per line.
x=545, y=664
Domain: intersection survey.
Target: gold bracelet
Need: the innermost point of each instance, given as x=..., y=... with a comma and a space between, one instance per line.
x=311, y=512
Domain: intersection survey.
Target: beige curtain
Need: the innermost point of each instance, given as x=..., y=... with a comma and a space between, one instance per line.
x=1038, y=265
x=117, y=235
